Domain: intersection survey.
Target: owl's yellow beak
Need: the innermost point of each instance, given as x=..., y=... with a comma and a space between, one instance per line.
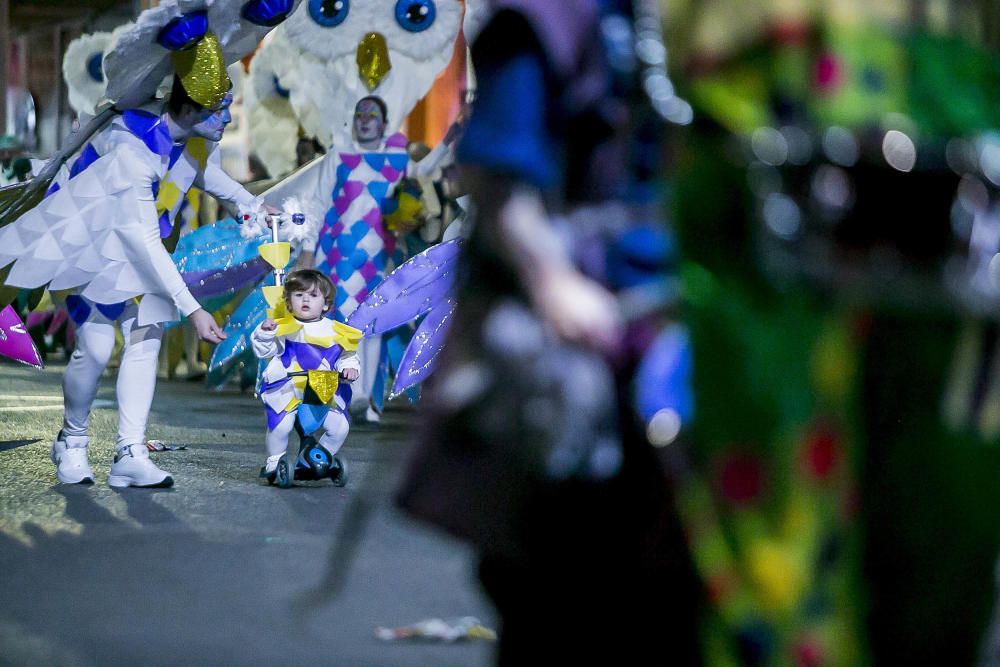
x=373, y=59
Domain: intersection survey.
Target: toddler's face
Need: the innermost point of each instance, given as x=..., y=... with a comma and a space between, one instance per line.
x=307, y=304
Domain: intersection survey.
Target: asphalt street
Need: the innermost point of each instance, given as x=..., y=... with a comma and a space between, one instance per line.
x=221, y=569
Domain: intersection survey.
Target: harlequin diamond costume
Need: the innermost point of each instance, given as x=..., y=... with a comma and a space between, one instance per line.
x=99, y=229
x=302, y=382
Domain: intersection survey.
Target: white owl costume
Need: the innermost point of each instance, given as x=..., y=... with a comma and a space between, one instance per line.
x=326, y=37
x=99, y=231
x=274, y=127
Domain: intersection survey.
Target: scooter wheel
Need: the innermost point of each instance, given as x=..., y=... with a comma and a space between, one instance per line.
x=284, y=474
x=338, y=472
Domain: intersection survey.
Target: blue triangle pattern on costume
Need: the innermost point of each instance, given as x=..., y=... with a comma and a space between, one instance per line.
x=77, y=308
x=398, y=161
x=151, y=129
x=87, y=157
x=378, y=190
x=166, y=225
x=375, y=160
x=345, y=392
x=311, y=417
x=112, y=311
x=175, y=153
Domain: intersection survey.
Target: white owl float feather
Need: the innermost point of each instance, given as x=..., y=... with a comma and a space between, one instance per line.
x=273, y=125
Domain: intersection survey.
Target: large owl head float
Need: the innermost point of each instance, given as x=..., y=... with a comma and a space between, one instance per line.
x=347, y=49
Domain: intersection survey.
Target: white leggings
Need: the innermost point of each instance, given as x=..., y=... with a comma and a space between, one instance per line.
x=95, y=341
x=335, y=429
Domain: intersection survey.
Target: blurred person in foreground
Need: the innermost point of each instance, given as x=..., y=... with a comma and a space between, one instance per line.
x=532, y=448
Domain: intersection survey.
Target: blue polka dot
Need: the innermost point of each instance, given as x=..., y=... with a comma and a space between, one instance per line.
x=344, y=269
x=346, y=243
x=378, y=190
x=375, y=160
x=358, y=258
x=398, y=160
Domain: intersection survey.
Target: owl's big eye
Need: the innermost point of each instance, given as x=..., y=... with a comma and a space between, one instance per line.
x=94, y=63
x=329, y=13
x=415, y=15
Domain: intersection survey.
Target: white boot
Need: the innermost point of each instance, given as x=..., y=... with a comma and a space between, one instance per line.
x=133, y=467
x=70, y=458
x=268, y=472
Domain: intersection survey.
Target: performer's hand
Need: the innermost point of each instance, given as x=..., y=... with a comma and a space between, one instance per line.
x=349, y=374
x=579, y=309
x=268, y=325
x=206, y=327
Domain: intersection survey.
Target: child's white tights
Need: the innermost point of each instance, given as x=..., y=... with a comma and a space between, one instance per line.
x=335, y=428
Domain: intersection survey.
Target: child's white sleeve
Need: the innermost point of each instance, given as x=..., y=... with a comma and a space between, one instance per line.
x=266, y=344
x=348, y=360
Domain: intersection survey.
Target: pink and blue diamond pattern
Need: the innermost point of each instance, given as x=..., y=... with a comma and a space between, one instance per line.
x=354, y=247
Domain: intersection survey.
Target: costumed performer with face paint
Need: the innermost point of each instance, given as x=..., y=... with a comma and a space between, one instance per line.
x=101, y=230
